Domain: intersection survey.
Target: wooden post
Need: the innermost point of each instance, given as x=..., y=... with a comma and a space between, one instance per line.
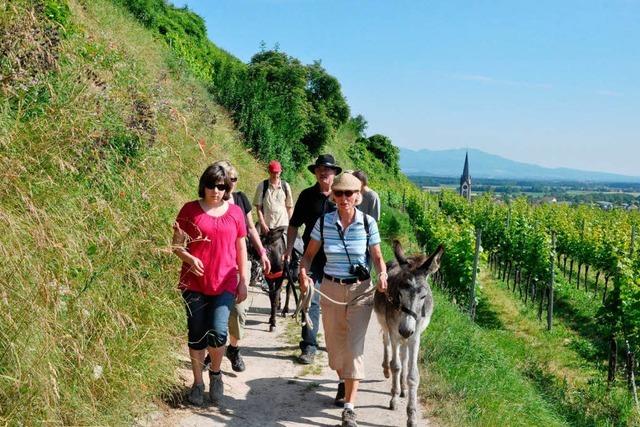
x=472, y=293
x=550, y=297
x=586, y=275
x=606, y=285
x=570, y=270
x=543, y=291
x=631, y=379
x=578, y=275
x=613, y=360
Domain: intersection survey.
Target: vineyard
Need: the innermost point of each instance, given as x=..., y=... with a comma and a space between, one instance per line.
x=530, y=248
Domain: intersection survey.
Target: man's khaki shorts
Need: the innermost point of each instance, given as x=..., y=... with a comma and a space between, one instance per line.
x=238, y=316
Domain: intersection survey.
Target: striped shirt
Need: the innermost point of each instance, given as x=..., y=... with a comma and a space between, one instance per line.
x=355, y=237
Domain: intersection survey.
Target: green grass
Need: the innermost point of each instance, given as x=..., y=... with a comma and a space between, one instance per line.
x=472, y=380
x=564, y=364
x=95, y=161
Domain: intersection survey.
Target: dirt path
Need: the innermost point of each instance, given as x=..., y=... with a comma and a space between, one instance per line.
x=275, y=391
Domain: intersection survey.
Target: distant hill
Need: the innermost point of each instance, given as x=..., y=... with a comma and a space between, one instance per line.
x=449, y=163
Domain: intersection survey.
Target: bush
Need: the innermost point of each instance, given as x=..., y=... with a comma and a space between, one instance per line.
x=285, y=109
x=384, y=150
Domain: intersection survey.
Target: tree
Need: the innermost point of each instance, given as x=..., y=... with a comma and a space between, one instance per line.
x=325, y=94
x=381, y=147
x=359, y=125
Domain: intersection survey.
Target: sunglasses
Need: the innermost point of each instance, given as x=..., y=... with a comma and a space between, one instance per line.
x=233, y=179
x=347, y=193
x=219, y=187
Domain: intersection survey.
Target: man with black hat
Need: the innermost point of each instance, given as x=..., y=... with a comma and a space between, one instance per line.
x=312, y=203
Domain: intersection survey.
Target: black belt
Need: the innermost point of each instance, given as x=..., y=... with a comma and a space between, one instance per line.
x=347, y=281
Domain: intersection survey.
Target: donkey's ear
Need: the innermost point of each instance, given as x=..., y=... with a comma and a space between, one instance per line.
x=399, y=252
x=432, y=264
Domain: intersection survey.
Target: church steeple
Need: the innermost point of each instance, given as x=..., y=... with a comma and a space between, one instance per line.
x=465, y=179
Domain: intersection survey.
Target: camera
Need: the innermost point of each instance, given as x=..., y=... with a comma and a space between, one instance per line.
x=361, y=271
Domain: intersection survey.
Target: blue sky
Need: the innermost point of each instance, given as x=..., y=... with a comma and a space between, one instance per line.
x=556, y=83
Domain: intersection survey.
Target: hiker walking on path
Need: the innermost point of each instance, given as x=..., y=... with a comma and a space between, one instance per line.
x=273, y=200
x=238, y=316
x=209, y=238
x=370, y=199
x=348, y=237
x=312, y=203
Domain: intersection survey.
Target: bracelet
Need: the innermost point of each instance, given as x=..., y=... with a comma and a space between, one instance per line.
x=386, y=276
x=263, y=251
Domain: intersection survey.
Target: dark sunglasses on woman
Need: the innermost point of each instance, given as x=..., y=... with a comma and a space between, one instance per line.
x=219, y=187
x=340, y=193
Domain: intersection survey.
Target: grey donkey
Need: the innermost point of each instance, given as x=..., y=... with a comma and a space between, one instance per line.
x=404, y=312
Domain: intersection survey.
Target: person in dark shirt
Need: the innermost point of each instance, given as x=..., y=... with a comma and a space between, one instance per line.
x=312, y=203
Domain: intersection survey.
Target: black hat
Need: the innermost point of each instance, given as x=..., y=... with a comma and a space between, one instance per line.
x=326, y=160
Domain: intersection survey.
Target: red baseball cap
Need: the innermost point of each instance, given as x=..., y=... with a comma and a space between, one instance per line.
x=275, y=166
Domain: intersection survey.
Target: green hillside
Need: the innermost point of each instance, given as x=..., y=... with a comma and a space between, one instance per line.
x=103, y=135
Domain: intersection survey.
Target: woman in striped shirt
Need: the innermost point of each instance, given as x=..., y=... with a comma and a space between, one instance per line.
x=348, y=238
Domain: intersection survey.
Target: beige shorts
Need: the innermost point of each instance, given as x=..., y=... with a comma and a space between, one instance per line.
x=237, y=320
x=345, y=327
x=238, y=315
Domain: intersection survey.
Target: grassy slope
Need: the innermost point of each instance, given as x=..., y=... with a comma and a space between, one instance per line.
x=90, y=318
x=563, y=363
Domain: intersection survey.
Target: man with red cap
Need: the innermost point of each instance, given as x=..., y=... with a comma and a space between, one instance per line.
x=273, y=200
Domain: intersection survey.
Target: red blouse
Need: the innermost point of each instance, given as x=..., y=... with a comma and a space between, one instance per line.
x=213, y=241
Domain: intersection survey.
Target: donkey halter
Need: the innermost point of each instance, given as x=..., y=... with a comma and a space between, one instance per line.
x=395, y=302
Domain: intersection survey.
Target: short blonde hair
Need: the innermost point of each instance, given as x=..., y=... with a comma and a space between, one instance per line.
x=228, y=167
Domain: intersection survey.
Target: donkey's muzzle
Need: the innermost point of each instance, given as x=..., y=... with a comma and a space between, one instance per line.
x=405, y=332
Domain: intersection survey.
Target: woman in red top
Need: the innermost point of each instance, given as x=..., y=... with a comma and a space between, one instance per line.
x=209, y=239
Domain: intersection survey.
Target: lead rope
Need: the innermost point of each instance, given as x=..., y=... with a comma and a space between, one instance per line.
x=305, y=302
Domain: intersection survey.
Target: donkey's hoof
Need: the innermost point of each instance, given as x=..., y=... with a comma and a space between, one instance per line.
x=403, y=393
x=284, y=313
x=412, y=418
x=386, y=371
x=272, y=328
x=393, y=405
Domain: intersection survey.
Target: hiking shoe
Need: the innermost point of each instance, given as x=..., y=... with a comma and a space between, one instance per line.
x=339, y=400
x=216, y=387
x=306, y=358
x=233, y=354
x=349, y=418
x=196, y=394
